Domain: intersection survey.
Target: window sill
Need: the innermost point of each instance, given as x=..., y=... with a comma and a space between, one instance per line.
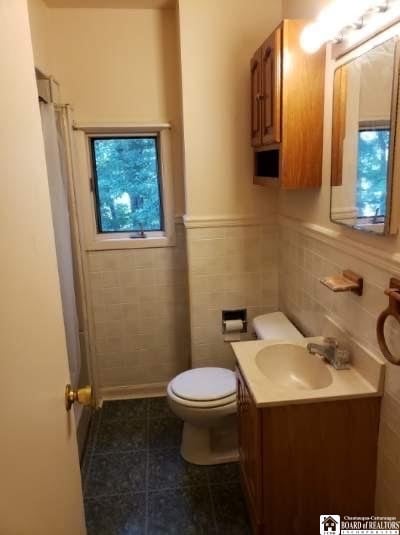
x=109, y=244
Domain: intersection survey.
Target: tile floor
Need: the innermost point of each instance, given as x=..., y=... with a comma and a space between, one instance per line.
x=135, y=481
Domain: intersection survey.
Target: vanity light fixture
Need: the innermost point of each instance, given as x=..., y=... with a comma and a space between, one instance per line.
x=340, y=17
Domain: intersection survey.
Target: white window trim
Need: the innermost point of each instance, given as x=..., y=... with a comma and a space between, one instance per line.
x=93, y=240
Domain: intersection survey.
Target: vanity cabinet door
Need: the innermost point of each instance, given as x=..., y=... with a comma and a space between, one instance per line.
x=271, y=89
x=250, y=451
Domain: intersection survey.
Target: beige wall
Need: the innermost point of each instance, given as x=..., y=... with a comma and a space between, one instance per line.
x=113, y=69
x=217, y=40
x=120, y=66
x=38, y=14
x=302, y=9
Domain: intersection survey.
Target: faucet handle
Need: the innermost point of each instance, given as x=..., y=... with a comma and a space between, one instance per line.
x=342, y=359
x=331, y=341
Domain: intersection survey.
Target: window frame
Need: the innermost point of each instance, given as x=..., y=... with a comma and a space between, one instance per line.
x=95, y=181
x=86, y=196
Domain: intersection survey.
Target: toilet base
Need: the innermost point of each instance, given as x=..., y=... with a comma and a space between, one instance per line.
x=209, y=446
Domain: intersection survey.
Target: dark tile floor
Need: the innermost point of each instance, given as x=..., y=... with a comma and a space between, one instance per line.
x=136, y=482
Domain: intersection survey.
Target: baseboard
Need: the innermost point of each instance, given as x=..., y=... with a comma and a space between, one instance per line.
x=83, y=428
x=133, y=392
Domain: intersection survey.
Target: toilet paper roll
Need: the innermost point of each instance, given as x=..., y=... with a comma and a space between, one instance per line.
x=233, y=329
x=232, y=326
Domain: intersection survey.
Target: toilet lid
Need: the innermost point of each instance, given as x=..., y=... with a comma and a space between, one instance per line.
x=204, y=384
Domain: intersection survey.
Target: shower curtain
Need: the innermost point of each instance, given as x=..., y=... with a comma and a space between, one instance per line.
x=58, y=187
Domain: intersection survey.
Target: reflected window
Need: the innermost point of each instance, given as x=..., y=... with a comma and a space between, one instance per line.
x=373, y=159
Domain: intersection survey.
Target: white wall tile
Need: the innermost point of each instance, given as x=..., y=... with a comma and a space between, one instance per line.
x=140, y=309
x=229, y=268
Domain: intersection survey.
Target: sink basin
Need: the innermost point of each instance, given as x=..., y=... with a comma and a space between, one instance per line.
x=291, y=366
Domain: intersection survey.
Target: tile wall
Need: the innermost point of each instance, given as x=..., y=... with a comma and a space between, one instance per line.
x=139, y=299
x=229, y=267
x=305, y=259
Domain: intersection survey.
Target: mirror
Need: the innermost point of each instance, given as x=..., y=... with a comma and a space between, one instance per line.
x=364, y=119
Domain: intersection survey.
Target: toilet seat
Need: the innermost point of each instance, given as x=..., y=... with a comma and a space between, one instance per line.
x=204, y=387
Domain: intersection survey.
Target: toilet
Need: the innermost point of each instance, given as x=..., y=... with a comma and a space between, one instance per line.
x=205, y=399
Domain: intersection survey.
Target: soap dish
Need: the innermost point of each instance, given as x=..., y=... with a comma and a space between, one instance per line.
x=348, y=281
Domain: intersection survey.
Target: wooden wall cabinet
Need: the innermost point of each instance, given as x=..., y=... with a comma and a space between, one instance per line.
x=300, y=461
x=287, y=104
x=266, y=91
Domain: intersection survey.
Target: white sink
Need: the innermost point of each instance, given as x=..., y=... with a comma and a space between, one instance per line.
x=291, y=366
x=282, y=372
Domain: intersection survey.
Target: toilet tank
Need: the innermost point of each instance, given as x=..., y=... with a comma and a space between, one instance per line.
x=275, y=326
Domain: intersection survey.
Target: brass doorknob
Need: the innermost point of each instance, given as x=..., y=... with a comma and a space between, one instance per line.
x=84, y=396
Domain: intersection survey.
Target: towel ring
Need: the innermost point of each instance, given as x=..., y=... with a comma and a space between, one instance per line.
x=392, y=310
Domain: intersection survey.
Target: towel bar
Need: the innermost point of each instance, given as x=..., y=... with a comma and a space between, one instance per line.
x=393, y=309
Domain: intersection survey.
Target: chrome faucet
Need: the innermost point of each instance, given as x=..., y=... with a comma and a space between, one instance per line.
x=330, y=350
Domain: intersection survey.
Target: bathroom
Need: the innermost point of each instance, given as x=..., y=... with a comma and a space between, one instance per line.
x=231, y=259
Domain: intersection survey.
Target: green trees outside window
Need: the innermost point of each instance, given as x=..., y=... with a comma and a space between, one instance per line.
x=127, y=184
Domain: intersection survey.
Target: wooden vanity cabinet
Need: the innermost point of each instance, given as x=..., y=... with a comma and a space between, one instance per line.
x=287, y=103
x=300, y=461
x=249, y=425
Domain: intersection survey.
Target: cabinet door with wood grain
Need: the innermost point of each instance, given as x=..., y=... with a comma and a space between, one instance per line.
x=250, y=451
x=271, y=89
x=256, y=98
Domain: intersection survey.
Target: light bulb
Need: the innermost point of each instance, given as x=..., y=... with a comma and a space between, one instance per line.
x=339, y=14
x=311, y=38
x=378, y=5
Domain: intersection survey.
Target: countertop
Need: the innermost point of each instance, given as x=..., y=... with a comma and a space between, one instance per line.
x=363, y=379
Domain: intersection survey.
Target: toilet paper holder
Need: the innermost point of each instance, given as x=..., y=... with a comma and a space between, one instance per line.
x=229, y=315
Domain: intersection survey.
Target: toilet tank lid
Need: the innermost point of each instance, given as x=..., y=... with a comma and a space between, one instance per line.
x=275, y=326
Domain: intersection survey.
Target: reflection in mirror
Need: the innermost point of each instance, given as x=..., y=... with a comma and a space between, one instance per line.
x=363, y=139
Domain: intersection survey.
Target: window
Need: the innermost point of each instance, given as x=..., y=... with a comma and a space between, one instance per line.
x=127, y=184
x=373, y=161
x=124, y=186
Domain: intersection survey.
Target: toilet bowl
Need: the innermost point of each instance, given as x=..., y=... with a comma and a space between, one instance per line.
x=205, y=399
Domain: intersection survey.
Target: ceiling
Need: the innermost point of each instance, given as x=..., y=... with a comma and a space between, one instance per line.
x=115, y=4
